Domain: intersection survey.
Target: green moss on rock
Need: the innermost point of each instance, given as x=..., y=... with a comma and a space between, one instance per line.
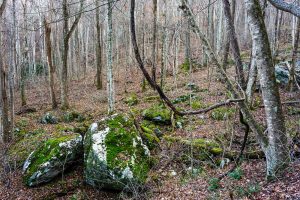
x=73, y=116
x=157, y=114
x=115, y=155
x=49, y=118
x=203, y=148
x=51, y=158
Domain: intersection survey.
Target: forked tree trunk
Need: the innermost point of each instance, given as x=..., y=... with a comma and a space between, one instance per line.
x=66, y=37
x=275, y=150
x=50, y=63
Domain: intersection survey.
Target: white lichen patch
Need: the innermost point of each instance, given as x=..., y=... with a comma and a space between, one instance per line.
x=99, y=147
x=147, y=151
x=71, y=143
x=127, y=173
x=132, y=160
x=134, y=143
x=94, y=127
x=27, y=162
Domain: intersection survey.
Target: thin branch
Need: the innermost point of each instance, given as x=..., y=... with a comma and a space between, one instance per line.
x=76, y=20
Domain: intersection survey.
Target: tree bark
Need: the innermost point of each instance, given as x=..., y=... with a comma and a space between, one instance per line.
x=5, y=132
x=276, y=149
x=50, y=64
x=98, y=48
x=110, y=81
x=292, y=78
x=154, y=35
x=234, y=44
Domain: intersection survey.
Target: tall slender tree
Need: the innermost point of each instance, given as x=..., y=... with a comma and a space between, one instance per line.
x=98, y=47
x=50, y=63
x=5, y=132
x=275, y=149
x=110, y=80
x=154, y=38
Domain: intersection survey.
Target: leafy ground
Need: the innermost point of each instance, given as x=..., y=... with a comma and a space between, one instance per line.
x=178, y=174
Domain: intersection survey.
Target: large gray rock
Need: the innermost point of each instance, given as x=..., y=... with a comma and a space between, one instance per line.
x=115, y=156
x=282, y=72
x=51, y=158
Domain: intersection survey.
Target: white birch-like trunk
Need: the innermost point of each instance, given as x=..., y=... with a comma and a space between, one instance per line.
x=276, y=147
x=110, y=82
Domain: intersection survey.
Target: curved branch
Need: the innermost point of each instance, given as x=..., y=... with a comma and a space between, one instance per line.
x=154, y=85
x=287, y=7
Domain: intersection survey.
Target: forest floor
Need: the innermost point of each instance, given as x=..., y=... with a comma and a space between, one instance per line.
x=172, y=177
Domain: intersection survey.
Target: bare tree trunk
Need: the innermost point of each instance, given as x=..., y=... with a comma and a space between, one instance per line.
x=275, y=33
x=25, y=64
x=12, y=68
x=275, y=150
x=251, y=78
x=5, y=132
x=234, y=44
x=98, y=48
x=4, y=123
x=154, y=36
x=164, y=46
x=227, y=44
x=292, y=78
x=50, y=63
x=110, y=81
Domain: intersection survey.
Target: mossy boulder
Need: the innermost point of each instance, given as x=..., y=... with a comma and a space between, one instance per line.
x=49, y=118
x=18, y=152
x=203, y=148
x=115, y=156
x=157, y=114
x=51, y=158
x=150, y=137
x=73, y=116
